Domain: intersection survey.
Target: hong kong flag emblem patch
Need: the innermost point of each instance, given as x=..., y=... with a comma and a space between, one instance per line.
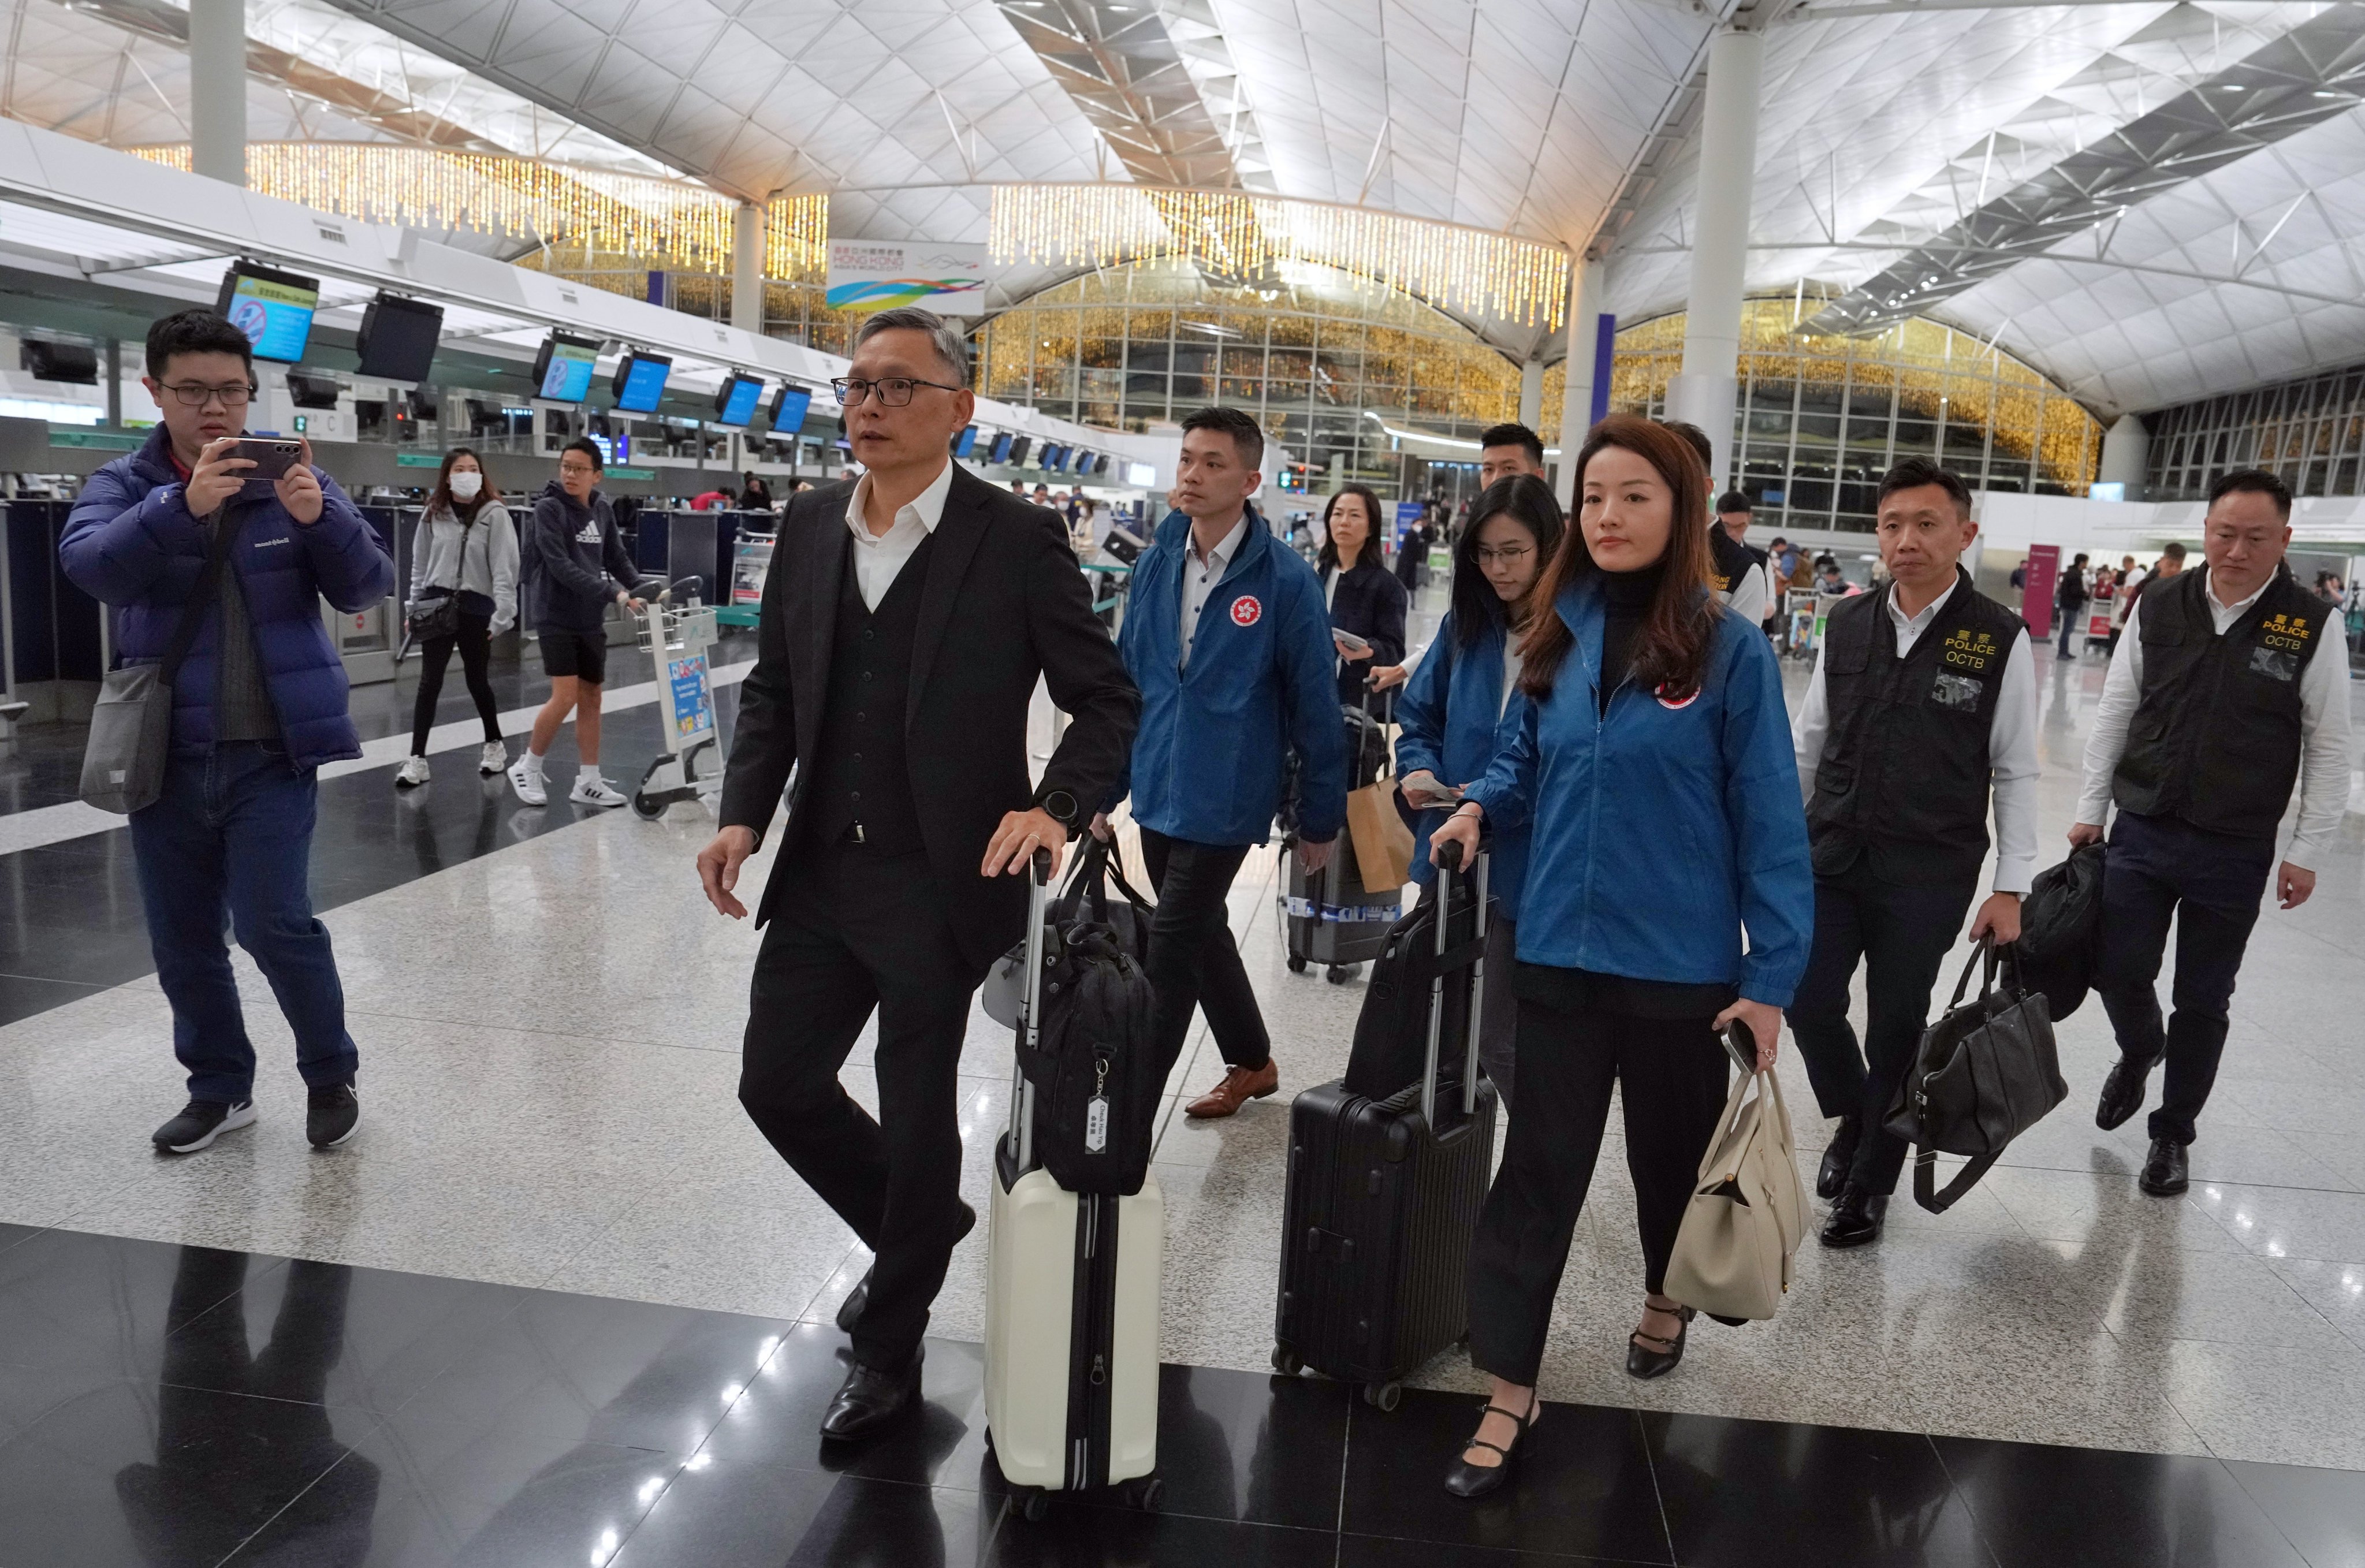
x=1245, y=610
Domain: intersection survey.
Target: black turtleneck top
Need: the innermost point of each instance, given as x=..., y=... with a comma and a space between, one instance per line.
x=1626, y=600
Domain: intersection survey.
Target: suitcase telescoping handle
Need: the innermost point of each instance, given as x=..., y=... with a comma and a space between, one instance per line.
x=1449, y=860
x=1022, y=1093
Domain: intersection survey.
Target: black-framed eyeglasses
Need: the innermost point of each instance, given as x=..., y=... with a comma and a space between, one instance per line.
x=894, y=391
x=197, y=394
x=1508, y=555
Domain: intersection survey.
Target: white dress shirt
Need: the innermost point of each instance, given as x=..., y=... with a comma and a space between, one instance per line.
x=879, y=557
x=1200, y=575
x=2012, y=740
x=2323, y=730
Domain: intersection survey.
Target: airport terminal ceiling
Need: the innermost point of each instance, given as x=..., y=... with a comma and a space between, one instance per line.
x=2019, y=171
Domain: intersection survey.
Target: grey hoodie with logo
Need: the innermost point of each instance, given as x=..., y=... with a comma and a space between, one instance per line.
x=576, y=563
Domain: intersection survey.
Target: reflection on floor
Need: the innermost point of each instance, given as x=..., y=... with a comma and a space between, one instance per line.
x=188, y=1406
x=549, y=1024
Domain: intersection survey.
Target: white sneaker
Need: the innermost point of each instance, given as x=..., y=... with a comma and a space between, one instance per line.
x=595, y=791
x=495, y=760
x=527, y=782
x=411, y=774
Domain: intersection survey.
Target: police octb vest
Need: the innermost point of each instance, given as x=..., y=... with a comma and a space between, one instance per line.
x=2216, y=734
x=1905, y=770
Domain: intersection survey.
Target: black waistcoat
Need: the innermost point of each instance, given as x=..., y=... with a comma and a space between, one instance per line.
x=862, y=773
x=2215, y=736
x=1905, y=770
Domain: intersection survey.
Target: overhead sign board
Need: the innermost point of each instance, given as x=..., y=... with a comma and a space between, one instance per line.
x=876, y=274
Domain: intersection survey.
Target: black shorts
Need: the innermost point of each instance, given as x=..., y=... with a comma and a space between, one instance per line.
x=583, y=654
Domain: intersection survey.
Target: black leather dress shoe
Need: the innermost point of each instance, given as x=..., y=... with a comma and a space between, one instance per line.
x=849, y=1311
x=1649, y=1356
x=1856, y=1218
x=870, y=1401
x=2164, y=1172
x=2122, y=1092
x=1471, y=1481
x=1838, y=1158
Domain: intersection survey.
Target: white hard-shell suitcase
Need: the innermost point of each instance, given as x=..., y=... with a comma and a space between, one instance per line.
x=1070, y=1310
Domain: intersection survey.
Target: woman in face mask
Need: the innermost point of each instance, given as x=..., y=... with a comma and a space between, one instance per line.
x=466, y=550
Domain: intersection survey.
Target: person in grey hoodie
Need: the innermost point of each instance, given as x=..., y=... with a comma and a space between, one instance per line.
x=575, y=563
x=466, y=548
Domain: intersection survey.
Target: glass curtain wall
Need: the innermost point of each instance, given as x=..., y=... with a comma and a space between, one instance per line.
x=2309, y=432
x=1821, y=418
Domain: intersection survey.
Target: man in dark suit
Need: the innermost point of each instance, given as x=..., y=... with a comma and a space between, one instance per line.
x=905, y=620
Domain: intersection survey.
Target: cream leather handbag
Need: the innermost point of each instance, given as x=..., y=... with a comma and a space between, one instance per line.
x=1748, y=1211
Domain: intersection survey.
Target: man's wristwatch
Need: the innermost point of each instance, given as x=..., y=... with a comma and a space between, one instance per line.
x=1059, y=806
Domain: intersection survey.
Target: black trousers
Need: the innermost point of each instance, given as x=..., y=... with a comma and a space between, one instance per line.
x=853, y=932
x=1902, y=935
x=1193, y=962
x=475, y=642
x=2210, y=883
x=1671, y=1075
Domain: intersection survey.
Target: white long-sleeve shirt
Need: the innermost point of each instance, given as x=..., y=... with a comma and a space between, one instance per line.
x=2012, y=763
x=2323, y=730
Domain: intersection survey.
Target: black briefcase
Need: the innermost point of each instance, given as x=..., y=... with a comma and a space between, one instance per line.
x=1984, y=1073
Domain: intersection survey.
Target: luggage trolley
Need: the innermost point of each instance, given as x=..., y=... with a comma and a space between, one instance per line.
x=677, y=639
x=751, y=562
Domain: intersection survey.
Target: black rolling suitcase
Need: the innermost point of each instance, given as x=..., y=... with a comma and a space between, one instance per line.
x=1382, y=1198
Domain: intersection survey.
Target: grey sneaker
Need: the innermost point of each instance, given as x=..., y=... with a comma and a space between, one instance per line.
x=333, y=1115
x=411, y=774
x=496, y=759
x=199, y=1123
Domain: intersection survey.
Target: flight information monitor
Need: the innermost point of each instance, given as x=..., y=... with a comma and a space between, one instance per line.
x=965, y=443
x=275, y=309
x=398, y=338
x=1001, y=447
x=562, y=370
x=788, y=405
x=1018, y=448
x=640, y=382
x=736, y=399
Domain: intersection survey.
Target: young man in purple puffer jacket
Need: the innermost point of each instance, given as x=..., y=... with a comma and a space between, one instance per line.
x=258, y=706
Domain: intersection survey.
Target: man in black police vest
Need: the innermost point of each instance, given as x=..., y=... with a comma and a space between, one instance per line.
x=2223, y=692
x=1923, y=700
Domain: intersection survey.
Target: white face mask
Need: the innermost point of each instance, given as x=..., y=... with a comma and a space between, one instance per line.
x=466, y=483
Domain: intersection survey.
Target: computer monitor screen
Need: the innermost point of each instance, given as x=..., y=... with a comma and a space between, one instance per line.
x=1018, y=448
x=640, y=382
x=275, y=309
x=397, y=337
x=1082, y=464
x=1101, y=464
x=788, y=405
x=562, y=370
x=1055, y=458
x=967, y=443
x=736, y=399
x=1002, y=444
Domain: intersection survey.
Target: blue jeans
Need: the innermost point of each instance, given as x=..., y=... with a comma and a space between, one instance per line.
x=231, y=835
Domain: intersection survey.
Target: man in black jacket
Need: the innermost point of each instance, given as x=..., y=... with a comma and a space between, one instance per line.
x=575, y=563
x=905, y=621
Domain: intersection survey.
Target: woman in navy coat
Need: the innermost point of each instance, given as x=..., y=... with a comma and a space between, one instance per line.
x=1364, y=601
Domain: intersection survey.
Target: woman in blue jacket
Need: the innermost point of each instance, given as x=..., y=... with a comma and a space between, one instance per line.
x=1458, y=708
x=1652, y=763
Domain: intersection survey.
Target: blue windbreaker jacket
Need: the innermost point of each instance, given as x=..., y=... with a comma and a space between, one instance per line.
x=1448, y=712
x=130, y=542
x=1211, y=756
x=1660, y=829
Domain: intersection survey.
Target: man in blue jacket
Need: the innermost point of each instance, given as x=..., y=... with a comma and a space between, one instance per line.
x=1226, y=635
x=259, y=705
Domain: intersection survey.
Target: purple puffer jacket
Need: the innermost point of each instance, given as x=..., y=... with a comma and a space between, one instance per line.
x=130, y=542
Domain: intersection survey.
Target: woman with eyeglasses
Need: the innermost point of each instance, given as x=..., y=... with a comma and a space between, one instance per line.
x=1366, y=604
x=466, y=550
x=1668, y=894
x=1458, y=705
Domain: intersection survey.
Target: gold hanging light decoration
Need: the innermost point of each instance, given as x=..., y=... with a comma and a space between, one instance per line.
x=1468, y=270
x=682, y=226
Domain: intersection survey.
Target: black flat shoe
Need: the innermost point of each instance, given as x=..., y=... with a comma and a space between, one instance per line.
x=850, y=1310
x=1470, y=1482
x=1644, y=1362
x=2164, y=1172
x=1856, y=1219
x=2123, y=1092
x=1833, y=1176
x=870, y=1401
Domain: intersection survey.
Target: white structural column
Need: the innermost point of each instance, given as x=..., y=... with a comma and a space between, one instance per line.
x=2126, y=452
x=1532, y=393
x=1704, y=392
x=747, y=238
x=217, y=89
x=1585, y=295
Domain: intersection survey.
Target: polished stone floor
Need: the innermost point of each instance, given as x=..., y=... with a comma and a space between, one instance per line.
x=549, y=1015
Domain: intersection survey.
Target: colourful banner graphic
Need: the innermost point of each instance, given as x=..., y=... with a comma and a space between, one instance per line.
x=867, y=274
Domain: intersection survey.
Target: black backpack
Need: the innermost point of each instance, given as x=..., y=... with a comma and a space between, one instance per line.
x=1094, y=1067
x=2061, y=931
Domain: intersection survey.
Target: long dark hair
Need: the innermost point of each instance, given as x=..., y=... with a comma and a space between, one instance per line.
x=1370, y=553
x=1672, y=644
x=1528, y=501
x=442, y=495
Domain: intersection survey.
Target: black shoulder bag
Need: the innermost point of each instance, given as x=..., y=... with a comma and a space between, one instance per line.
x=1984, y=1073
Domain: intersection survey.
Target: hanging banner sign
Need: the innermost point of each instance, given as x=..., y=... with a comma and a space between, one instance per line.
x=876, y=274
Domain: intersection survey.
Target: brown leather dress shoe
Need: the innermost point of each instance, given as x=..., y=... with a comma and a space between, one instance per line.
x=1241, y=1085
